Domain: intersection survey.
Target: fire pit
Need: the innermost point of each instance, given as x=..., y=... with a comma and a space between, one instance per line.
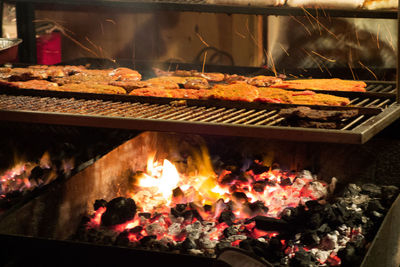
x=163, y=194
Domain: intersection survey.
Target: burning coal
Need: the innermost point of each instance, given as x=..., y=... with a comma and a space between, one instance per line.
x=25, y=176
x=285, y=217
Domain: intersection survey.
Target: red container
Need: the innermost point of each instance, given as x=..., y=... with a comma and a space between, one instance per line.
x=48, y=48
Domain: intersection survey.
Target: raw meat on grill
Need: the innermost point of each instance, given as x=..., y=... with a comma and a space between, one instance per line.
x=333, y=84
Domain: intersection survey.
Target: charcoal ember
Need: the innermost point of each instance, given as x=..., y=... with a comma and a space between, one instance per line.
x=136, y=229
x=351, y=190
x=234, y=238
x=323, y=229
x=99, y=203
x=188, y=215
x=330, y=241
x=289, y=214
x=118, y=210
x=350, y=255
x=227, y=217
x=177, y=194
x=220, y=246
x=158, y=245
x=169, y=242
x=174, y=229
x=229, y=178
x=37, y=174
x=145, y=215
x=389, y=193
x=314, y=206
x=122, y=239
x=371, y=190
x=255, y=246
x=240, y=197
x=310, y=238
x=94, y=235
x=207, y=208
x=188, y=244
x=256, y=207
x=258, y=168
x=154, y=229
x=231, y=230
x=196, y=252
x=270, y=224
x=286, y=182
x=206, y=243
x=314, y=221
x=147, y=240
x=303, y=258
x=274, y=252
x=259, y=186
x=375, y=205
x=178, y=210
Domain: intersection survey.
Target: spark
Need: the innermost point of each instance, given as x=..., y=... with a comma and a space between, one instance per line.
x=202, y=40
x=313, y=59
x=204, y=61
x=269, y=57
x=111, y=21
x=368, y=69
x=302, y=24
x=321, y=56
x=240, y=34
x=358, y=40
x=351, y=70
x=327, y=70
x=389, y=37
x=251, y=35
x=284, y=50
x=377, y=35
x=322, y=25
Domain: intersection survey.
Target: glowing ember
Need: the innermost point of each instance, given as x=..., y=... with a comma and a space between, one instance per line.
x=276, y=214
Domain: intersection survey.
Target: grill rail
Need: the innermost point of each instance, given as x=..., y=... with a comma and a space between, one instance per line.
x=377, y=108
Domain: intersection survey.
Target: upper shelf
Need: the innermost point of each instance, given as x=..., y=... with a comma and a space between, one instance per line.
x=203, y=6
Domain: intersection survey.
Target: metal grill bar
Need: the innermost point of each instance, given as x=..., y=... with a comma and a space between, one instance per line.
x=198, y=117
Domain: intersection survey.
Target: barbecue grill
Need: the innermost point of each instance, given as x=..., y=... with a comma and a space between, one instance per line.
x=378, y=108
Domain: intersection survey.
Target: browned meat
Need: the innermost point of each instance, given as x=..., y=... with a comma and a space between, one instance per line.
x=264, y=81
x=318, y=115
x=125, y=74
x=197, y=84
x=90, y=87
x=323, y=84
x=31, y=84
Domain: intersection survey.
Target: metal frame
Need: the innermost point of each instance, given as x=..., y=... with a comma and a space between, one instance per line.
x=213, y=117
x=26, y=9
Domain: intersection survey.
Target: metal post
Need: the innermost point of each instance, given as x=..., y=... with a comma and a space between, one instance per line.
x=25, y=14
x=398, y=56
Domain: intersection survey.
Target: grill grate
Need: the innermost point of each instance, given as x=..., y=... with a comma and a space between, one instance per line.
x=377, y=109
